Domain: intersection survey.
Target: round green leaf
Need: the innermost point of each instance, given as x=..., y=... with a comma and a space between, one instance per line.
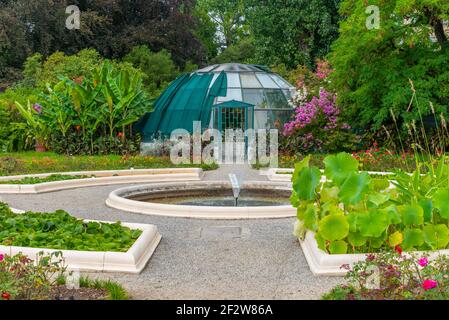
x=412, y=214
x=339, y=167
x=354, y=188
x=334, y=227
x=413, y=238
x=394, y=216
x=311, y=218
x=372, y=223
x=441, y=202
x=338, y=247
x=427, y=206
x=356, y=239
x=436, y=236
x=320, y=241
x=307, y=183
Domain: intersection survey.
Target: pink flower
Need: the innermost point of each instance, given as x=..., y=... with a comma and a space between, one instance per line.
x=1, y=257
x=429, y=284
x=37, y=107
x=423, y=262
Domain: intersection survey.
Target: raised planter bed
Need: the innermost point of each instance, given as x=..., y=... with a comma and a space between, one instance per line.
x=282, y=174
x=324, y=264
x=133, y=261
x=101, y=178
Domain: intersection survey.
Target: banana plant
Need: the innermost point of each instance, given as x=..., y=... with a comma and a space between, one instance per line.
x=36, y=125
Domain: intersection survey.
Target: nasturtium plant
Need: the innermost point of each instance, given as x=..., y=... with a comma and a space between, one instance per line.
x=334, y=227
x=351, y=212
x=412, y=214
x=339, y=167
x=354, y=188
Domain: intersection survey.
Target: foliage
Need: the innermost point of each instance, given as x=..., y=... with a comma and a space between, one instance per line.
x=241, y=52
x=115, y=290
x=24, y=279
x=93, y=114
x=373, y=67
x=316, y=125
x=42, y=73
x=33, y=162
x=353, y=212
x=111, y=27
x=59, y=230
x=14, y=135
x=294, y=32
x=393, y=276
x=50, y=178
x=229, y=19
x=158, y=68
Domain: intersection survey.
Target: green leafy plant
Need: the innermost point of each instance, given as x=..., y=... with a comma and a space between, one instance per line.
x=393, y=276
x=59, y=230
x=353, y=212
x=21, y=278
x=50, y=178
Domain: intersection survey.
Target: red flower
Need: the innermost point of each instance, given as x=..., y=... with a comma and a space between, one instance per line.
x=398, y=249
x=6, y=296
x=120, y=134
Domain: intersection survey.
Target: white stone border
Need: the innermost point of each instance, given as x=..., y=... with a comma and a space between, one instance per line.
x=102, y=178
x=274, y=175
x=323, y=264
x=117, y=200
x=133, y=261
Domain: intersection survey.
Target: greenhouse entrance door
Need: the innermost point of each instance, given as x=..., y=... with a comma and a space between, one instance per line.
x=237, y=116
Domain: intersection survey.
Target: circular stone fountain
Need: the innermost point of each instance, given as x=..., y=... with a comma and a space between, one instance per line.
x=206, y=200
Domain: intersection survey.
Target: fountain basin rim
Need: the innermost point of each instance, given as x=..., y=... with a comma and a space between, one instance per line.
x=118, y=200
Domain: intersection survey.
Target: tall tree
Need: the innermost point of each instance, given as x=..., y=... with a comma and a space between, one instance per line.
x=292, y=32
x=373, y=66
x=228, y=17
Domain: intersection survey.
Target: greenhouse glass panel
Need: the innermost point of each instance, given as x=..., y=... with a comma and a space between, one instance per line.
x=232, y=94
x=266, y=81
x=233, y=80
x=280, y=82
x=249, y=80
x=255, y=97
x=276, y=99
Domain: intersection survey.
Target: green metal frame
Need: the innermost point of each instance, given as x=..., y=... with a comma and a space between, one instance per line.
x=248, y=114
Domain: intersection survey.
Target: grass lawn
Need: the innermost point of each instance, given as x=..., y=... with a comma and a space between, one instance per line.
x=35, y=162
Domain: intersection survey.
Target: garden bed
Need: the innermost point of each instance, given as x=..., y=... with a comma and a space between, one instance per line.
x=84, y=252
x=34, y=162
x=109, y=177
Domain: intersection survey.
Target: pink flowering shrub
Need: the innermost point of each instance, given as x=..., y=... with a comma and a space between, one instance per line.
x=395, y=276
x=317, y=126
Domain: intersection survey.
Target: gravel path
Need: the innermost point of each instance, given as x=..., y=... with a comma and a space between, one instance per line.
x=202, y=259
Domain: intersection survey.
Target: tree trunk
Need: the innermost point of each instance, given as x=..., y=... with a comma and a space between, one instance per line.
x=437, y=26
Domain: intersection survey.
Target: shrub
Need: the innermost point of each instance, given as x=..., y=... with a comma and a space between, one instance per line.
x=24, y=279
x=158, y=68
x=393, y=276
x=352, y=212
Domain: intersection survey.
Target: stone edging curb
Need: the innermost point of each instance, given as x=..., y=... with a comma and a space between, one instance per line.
x=274, y=175
x=133, y=261
x=103, y=178
x=324, y=264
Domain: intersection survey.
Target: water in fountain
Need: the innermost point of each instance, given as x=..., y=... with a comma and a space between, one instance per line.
x=235, y=187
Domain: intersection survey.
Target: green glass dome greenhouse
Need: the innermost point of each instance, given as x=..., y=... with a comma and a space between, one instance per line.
x=232, y=95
